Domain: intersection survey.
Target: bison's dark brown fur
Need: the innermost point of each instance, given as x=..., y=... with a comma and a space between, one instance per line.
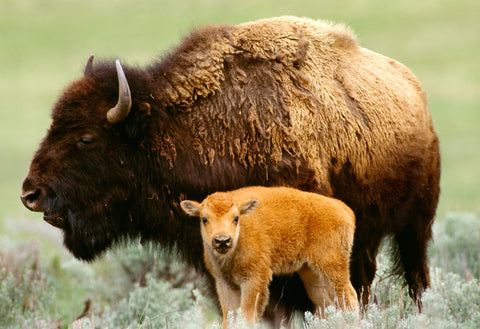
x=282, y=101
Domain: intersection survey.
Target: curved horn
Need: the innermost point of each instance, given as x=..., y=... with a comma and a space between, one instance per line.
x=120, y=111
x=89, y=66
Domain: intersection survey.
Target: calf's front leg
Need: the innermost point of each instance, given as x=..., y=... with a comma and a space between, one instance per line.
x=229, y=299
x=254, y=298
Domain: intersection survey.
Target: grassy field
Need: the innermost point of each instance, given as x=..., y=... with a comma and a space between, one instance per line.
x=44, y=45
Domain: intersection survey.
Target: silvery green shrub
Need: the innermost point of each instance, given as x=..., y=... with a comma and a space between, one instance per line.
x=150, y=288
x=156, y=305
x=26, y=297
x=456, y=244
x=452, y=302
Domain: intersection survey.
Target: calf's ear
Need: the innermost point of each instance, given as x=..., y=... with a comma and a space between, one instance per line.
x=248, y=207
x=192, y=208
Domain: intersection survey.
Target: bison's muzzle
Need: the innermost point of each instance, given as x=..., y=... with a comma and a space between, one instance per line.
x=34, y=197
x=30, y=198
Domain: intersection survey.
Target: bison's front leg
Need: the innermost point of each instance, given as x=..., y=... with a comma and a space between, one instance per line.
x=254, y=297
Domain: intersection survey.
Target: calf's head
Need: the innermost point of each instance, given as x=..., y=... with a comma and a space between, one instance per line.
x=220, y=220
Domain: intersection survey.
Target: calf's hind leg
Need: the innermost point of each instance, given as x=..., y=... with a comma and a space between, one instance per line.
x=318, y=289
x=325, y=289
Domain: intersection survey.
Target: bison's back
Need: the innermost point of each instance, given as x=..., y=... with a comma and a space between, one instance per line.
x=302, y=94
x=346, y=104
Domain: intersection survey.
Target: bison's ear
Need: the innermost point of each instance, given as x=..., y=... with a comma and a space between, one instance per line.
x=192, y=208
x=145, y=108
x=248, y=207
x=137, y=125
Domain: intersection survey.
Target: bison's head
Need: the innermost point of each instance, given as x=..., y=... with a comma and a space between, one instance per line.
x=85, y=177
x=220, y=218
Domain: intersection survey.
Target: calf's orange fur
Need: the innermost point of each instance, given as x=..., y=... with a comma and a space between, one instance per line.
x=253, y=233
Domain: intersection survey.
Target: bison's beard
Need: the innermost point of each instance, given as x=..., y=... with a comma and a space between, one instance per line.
x=86, y=242
x=89, y=229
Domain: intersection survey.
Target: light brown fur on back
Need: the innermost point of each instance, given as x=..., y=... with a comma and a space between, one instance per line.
x=342, y=91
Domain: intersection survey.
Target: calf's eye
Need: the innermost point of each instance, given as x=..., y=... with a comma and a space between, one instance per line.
x=204, y=220
x=236, y=219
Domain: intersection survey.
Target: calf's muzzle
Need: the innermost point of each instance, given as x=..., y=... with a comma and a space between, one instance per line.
x=222, y=243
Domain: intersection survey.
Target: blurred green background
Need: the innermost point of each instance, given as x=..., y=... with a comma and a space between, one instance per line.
x=44, y=45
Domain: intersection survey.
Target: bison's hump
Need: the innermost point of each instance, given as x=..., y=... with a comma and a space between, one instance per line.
x=195, y=69
x=287, y=38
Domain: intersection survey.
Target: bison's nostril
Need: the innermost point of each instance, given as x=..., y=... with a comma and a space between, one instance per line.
x=30, y=198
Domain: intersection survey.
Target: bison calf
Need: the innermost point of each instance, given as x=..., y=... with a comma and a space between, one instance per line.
x=253, y=233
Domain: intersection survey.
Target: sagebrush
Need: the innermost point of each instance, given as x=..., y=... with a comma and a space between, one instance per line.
x=143, y=287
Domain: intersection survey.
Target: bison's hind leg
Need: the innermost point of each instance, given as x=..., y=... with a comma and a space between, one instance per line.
x=413, y=227
x=412, y=234
x=363, y=263
x=412, y=243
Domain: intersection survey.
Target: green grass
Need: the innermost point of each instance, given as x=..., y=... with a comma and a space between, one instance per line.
x=44, y=45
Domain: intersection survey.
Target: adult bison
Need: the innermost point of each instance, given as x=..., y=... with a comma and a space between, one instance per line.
x=281, y=101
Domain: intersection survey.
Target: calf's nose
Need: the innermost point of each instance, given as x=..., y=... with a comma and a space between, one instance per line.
x=222, y=241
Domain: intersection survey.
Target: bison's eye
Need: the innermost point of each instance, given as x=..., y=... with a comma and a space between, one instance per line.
x=204, y=220
x=86, y=140
x=236, y=219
